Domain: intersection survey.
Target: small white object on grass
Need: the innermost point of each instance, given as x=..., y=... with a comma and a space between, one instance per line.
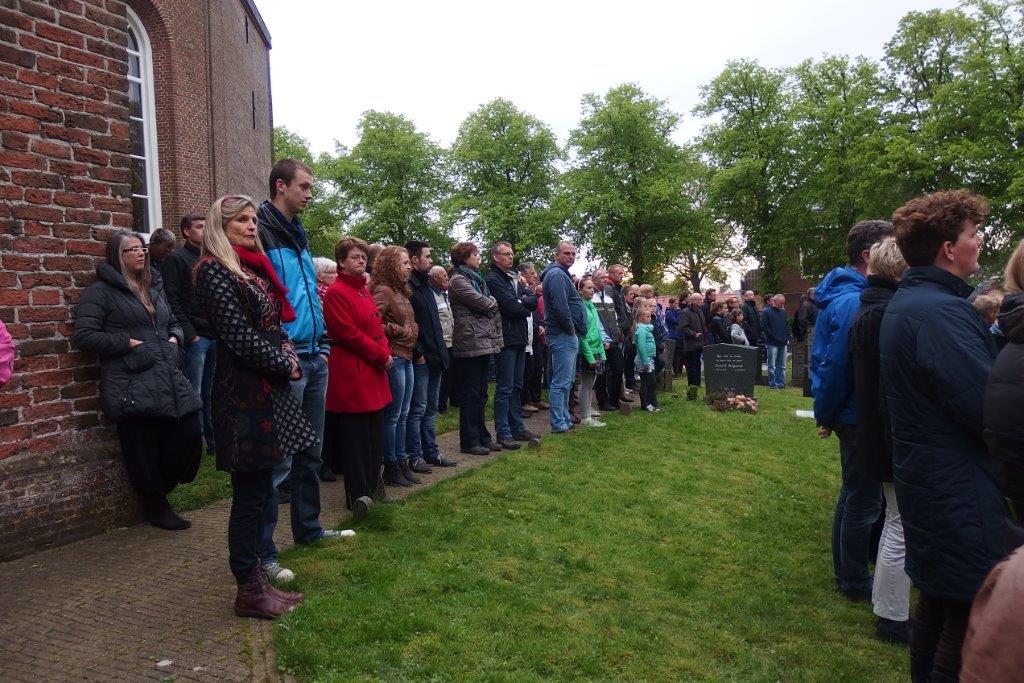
x=163, y=663
x=346, y=533
x=805, y=413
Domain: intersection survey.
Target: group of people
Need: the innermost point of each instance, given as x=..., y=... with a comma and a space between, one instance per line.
x=905, y=372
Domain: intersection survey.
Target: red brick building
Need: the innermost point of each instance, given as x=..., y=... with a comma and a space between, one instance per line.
x=113, y=114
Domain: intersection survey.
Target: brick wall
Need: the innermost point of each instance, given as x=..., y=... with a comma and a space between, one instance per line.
x=64, y=184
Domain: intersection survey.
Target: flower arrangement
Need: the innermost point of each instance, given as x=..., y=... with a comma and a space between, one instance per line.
x=744, y=404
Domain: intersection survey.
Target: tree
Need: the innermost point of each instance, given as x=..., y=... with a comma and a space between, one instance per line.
x=504, y=169
x=626, y=188
x=392, y=181
x=751, y=148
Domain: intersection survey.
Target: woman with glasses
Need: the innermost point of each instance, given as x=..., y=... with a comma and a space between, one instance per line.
x=257, y=421
x=125, y=319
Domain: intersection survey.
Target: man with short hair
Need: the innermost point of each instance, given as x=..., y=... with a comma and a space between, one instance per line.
x=936, y=356
x=776, y=336
x=430, y=360
x=564, y=322
x=287, y=246
x=439, y=287
x=710, y=296
x=805, y=316
x=181, y=296
x=693, y=332
x=624, y=316
x=161, y=243
x=835, y=409
x=536, y=349
x=515, y=303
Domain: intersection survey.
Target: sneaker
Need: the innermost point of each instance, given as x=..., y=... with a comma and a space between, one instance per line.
x=278, y=573
x=650, y=408
x=526, y=435
x=331, y=534
x=591, y=422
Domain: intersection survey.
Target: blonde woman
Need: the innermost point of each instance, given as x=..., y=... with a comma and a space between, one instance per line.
x=257, y=420
x=125, y=319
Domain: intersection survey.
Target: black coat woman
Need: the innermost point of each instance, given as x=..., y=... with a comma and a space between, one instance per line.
x=257, y=420
x=125, y=319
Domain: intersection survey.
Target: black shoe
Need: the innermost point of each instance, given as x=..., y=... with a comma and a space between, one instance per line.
x=403, y=465
x=160, y=515
x=493, y=446
x=510, y=445
x=477, y=450
x=361, y=507
x=526, y=435
x=326, y=474
x=856, y=594
x=419, y=465
x=393, y=475
x=892, y=631
x=441, y=461
x=605, y=408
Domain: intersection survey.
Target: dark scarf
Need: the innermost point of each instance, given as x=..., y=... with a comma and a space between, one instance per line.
x=477, y=280
x=292, y=227
x=259, y=263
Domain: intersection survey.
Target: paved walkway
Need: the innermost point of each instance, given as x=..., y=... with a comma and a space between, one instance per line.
x=140, y=603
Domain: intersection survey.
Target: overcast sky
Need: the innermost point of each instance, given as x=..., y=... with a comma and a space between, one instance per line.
x=435, y=62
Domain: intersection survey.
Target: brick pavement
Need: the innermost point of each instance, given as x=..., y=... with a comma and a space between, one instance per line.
x=112, y=606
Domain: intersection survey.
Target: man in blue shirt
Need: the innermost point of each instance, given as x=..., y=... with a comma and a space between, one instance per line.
x=835, y=409
x=287, y=246
x=564, y=321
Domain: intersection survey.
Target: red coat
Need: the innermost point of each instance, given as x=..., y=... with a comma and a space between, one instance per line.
x=358, y=379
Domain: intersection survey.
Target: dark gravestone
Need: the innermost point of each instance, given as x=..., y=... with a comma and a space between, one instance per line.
x=729, y=369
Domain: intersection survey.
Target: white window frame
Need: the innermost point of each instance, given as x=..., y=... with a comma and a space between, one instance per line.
x=149, y=139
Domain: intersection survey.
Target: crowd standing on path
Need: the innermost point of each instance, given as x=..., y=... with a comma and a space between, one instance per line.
x=295, y=369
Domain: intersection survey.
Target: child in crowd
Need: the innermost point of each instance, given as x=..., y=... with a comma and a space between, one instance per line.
x=591, y=352
x=643, y=336
x=736, y=333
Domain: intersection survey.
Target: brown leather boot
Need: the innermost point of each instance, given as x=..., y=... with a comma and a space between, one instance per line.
x=254, y=600
x=291, y=597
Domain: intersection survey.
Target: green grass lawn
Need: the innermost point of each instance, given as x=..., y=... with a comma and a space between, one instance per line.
x=671, y=546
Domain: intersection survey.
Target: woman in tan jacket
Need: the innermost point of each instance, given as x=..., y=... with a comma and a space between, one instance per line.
x=390, y=290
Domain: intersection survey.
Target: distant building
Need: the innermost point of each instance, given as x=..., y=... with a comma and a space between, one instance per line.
x=113, y=115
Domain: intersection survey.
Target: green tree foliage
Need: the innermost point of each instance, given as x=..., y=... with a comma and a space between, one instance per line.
x=392, y=182
x=626, y=187
x=504, y=169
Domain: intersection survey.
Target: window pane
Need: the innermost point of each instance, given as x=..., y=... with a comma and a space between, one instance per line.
x=133, y=66
x=140, y=214
x=138, y=176
x=135, y=99
x=136, y=141
x=133, y=43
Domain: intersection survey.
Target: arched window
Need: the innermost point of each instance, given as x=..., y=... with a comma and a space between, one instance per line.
x=142, y=120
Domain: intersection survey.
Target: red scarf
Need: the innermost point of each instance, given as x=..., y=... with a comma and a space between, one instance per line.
x=260, y=264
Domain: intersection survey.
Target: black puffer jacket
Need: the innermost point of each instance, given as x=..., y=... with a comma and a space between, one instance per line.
x=1004, y=395
x=936, y=354
x=874, y=438
x=144, y=381
x=180, y=288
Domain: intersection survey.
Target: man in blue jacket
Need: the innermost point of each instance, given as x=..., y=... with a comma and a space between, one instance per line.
x=564, y=321
x=835, y=409
x=936, y=354
x=775, y=333
x=287, y=246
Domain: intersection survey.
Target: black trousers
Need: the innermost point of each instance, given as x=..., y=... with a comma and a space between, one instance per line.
x=938, y=627
x=677, y=358
x=252, y=500
x=471, y=378
x=446, y=394
x=628, y=362
x=608, y=387
x=160, y=453
x=354, y=448
x=648, y=389
x=692, y=360
x=533, y=379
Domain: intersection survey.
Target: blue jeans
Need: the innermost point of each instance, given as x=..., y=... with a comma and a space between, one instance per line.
x=777, y=366
x=562, y=349
x=400, y=377
x=420, y=438
x=857, y=510
x=510, y=364
x=301, y=468
x=200, y=361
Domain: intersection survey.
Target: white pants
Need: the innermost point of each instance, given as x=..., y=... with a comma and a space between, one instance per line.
x=891, y=592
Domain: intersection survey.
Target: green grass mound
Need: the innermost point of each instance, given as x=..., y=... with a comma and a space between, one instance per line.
x=678, y=545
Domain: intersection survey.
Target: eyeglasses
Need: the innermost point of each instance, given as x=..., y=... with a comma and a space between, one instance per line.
x=503, y=253
x=136, y=250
